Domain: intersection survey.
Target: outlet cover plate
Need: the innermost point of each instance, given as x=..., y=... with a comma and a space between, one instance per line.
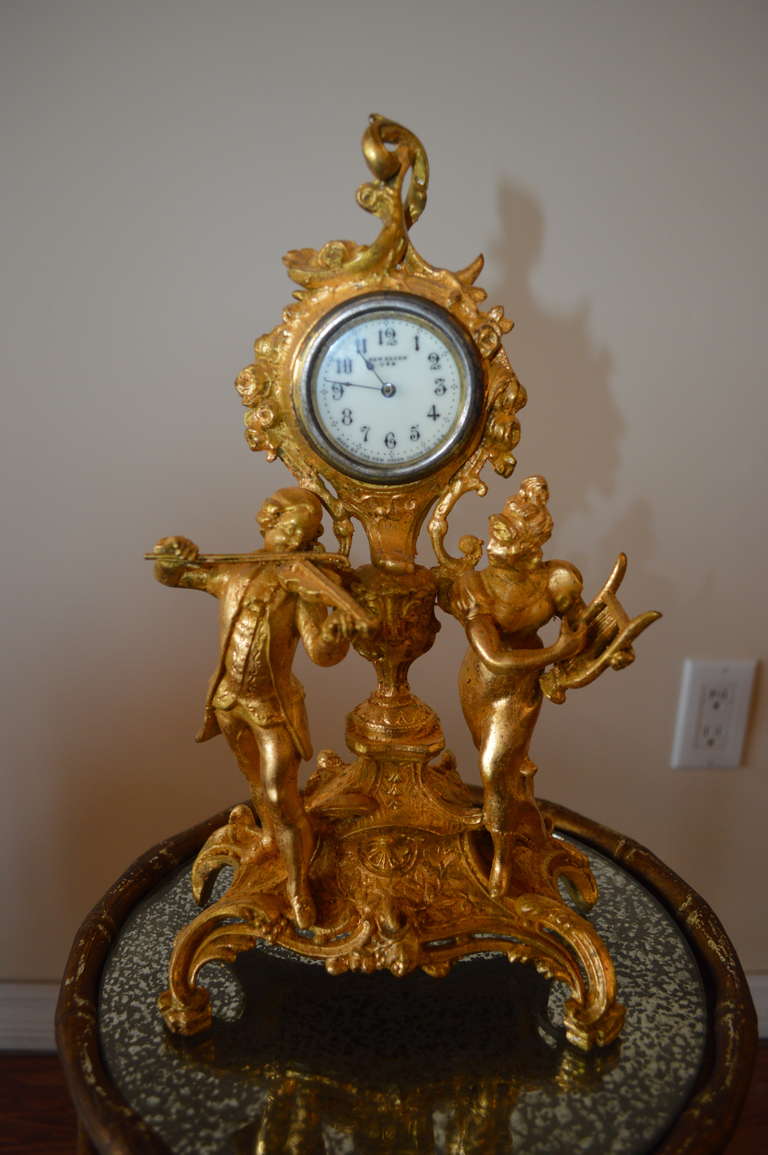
x=712, y=713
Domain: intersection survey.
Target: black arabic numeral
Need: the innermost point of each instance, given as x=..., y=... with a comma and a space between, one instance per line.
x=387, y=336
x=415, y=435
x=365, y=430
x=390, y=441
x=434, y=361
x=433, y=413
x=440, y=386
x=343, y=364
x=337, y=391
x=361, y=345
x=346, y=417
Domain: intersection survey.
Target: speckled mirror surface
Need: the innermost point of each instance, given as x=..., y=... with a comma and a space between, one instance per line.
x=476, y=1062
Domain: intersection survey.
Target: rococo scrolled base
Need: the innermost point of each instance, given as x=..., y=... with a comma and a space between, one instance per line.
x=395, y=895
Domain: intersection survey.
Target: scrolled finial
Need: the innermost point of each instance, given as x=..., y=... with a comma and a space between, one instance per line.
x=392, y=164
x=391, y=152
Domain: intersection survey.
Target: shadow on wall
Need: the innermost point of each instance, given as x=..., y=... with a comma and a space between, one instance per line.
x=572, y=419
x=571, y=427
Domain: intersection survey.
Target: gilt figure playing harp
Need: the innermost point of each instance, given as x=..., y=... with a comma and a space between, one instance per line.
x=507, y=668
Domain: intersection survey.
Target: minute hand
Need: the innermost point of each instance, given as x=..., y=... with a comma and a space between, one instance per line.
x=352, y=385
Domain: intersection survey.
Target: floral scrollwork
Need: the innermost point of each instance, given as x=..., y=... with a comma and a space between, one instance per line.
x=500, y=436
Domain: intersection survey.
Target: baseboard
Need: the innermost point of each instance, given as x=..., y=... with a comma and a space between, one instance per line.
x=758, y=985
x=27, y=1010
x=26, y=1016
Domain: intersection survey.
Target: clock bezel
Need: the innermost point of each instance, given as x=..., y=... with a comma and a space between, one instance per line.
x=429, y=313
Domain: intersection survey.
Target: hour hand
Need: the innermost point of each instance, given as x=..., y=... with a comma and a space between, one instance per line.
x=368, y=363
x=371, y=368
x=387, y=388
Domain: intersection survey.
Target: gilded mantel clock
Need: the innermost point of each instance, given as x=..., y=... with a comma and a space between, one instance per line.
x=385, y=391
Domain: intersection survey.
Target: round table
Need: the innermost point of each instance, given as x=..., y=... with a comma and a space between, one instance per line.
x=303, y=1061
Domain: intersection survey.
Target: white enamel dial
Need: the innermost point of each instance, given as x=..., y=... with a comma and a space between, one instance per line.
x=390, y=385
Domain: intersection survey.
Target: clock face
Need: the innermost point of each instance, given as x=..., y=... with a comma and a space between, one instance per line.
x=389, y=385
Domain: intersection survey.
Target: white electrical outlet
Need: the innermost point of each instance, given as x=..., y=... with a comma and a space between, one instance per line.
x=712, y=713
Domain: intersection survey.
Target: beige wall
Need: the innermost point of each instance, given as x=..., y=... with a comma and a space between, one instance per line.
x=609, y=159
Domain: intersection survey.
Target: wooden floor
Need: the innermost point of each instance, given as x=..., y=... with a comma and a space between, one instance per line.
x=36, y=1117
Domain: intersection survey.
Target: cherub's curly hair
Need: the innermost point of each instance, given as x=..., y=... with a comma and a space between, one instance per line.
x=527, y=511
x=296, y=497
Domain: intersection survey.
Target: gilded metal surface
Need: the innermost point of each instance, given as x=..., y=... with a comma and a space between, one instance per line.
x=253, y=698
x=385, y=861
x=507, y=668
